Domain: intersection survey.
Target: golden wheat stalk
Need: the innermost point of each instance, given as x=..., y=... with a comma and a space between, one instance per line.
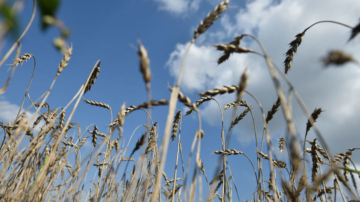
x=99, y=104
x=93, y=75
x=210, y=18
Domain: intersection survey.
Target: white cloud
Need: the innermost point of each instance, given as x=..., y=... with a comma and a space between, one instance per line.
x=336, y=90
x=8, y=112
x=178, y=6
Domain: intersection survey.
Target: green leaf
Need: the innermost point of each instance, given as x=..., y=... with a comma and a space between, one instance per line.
x=48, y=9
x=351, y=170
x=10, y=19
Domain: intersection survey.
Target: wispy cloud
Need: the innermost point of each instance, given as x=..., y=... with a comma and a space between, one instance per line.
x=178, y=6
x=8, y=112
x=336, y=90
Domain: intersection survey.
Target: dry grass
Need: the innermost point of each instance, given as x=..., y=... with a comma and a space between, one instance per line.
x=53, y=164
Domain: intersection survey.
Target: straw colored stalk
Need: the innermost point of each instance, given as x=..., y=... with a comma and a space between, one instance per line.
x=65, y=60
x=210, y=18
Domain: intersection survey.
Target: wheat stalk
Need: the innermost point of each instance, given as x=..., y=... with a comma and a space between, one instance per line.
x=93, y=75
x=273, y=110
x=290, y=52
x=220, y=91
x=176, y=125
x=227, y=53
x=236, y=103
x=99, y=104
x=144, y=63
x=65, y=60
x=210, y=18
x=198, y=103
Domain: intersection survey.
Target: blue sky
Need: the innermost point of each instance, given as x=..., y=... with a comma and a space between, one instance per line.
x=109, y=31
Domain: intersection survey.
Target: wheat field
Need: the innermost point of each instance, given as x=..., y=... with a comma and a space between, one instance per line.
x=49, y=157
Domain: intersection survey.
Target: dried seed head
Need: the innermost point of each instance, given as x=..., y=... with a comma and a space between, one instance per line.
x=176, y=125
x=315, y=160
x=144, y=63
x=281, y=144
x=64, y=61
x=62, y=119
x=242, y=84
x=210, y=18
x=139, y=143
x=315, y=115
x=337, y=57
x=22, y=59
x=200, y=134
x=217, y=91
x=45, y=104
x=229, y=152
x=236, y=103
x=290, y=53
x=99, y=104
x=273, y=110
x=93, y=75
x=346, y=162
x=185, y=100
x=227, y=53
x=94, y=134
x=132, y=108
x=82, y=142
x=198, y=103
x=355, y=31
x=240, y=117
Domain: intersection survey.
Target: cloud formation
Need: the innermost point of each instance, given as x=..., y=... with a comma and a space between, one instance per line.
x=178, y=6
x=8, y=112
x=334, y=89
